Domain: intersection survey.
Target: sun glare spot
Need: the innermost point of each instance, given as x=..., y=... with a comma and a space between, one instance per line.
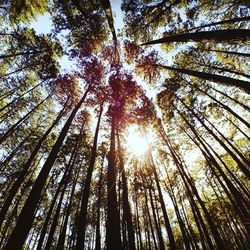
x=136, y=143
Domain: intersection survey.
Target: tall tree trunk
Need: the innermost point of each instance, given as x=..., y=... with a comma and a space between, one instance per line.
x=223, y=70
x=224, y=80
x=239, y=199
x=22, y=120
x=21, y=54
x=189, y=184
x=82, y=219
x=125, y=202
x=227, y=52
x=228, y=150
x=233, y=20
x=221, y=104
x=180, y=221
x=62, y=235
x=56, y=217
x=216, y=36
x=98, y=218
x=138, y=227
x=28, y=91
x=26, y=216
x=26, y=167
x=149, y=217
x=158, y=229
x=113, y=217
x=163, y=207
x=230, y=98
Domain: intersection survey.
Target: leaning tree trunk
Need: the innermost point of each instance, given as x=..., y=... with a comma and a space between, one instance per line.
x=234, y=53
x=26, y=167
x=224, y=80
x=216, y=36
x=22, y=120
x=228, y=150
x=62, y=235
x=19, y=97
x=193, y=191
x=26, y=216
x=220, y=103
x=163, y=207
x=233, y=20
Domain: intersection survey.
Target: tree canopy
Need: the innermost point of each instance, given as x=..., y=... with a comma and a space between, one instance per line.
x=126, y=126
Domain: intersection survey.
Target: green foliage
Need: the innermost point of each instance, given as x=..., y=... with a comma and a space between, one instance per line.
x=22, y=11
x=194, y=172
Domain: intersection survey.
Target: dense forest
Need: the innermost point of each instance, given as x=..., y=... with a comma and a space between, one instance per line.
x=140, y=139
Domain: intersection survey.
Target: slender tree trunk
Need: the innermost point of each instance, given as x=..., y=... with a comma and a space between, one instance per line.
x=22, y=120
x=224, y=80
x=125, y=201
x=217, y=36
x=236, y=126
x=233, y=20
x=26, y=167
x=113, y=218
x=82, y=219
x=180, y=221
x=227, y=52
x=158, y=229
x=26, y=216
x=163, y=207
x=232, y=99
x=211, y=224
x=236, y=159
x=14, y=152
x=188, y=183
x=21, y=54
x=62, y=235
x=98, y=219
x=240, y=201
x=221, y=104
x=223, y=70
x=55, y=218
x=138, y=228
x=149, y=218
x=28, y=91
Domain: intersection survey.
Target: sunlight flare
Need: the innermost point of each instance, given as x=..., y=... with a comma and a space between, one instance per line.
x=136, y=143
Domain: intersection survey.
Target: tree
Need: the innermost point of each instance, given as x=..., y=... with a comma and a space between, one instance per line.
x=128, y=146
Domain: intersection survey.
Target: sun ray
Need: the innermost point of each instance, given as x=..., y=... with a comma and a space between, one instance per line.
x=136, y=143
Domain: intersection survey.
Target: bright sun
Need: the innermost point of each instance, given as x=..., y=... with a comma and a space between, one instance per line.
x=136, y=143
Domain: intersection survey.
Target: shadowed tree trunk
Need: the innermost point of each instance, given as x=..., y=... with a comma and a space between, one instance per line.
x=22, y=120
x=163, y=207
x=98, y=219
x=230, y=152
x=224, y=80
x=113, y=219
x=235, y=53
x=216, y=36
x=233, y=20
x=125, y=202
x=82, y=219
x=28, y=91
x=26, y=216
x=26, y=167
